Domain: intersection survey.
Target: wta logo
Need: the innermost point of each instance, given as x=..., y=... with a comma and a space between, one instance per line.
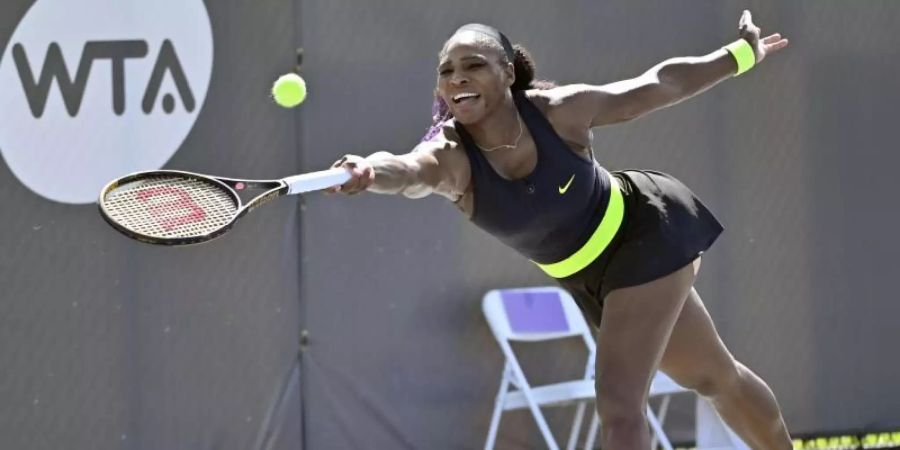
x=93, y=92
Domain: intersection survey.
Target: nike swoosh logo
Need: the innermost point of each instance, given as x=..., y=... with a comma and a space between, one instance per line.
x=563, y=189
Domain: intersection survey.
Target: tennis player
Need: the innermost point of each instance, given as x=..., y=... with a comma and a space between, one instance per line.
x=514, y=155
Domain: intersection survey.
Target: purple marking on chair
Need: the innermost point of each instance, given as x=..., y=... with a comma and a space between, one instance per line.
x=534, y=312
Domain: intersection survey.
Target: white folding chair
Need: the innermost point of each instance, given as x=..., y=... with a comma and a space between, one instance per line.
x=544, y=313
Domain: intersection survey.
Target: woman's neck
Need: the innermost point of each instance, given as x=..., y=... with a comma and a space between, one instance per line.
x=499, y=129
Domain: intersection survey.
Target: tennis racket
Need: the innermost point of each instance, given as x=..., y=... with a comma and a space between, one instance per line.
x=172, y=207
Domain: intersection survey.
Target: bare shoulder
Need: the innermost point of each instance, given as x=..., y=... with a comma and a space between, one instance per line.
x=540, y=98
x=445, y=144
x=559, y=95
x=446, y=154
x=450, y=134
x=565, y=105
x=561, y=107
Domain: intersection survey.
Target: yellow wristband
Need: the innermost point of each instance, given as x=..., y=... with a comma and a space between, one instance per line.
x=743, y=55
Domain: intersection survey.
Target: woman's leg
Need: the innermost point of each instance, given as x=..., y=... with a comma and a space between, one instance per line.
x=697, y=359
x=637, y=322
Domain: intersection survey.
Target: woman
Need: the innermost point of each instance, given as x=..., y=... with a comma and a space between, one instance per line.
x=515, y=156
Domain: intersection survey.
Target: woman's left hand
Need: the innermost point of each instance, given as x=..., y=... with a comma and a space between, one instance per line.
x=761, y=46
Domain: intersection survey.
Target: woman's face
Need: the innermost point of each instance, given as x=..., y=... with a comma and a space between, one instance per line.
x=472, y=80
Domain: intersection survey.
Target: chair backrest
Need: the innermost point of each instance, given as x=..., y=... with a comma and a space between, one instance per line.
x=534, y=314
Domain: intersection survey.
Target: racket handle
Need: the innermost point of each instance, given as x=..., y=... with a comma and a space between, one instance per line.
x=315, y=181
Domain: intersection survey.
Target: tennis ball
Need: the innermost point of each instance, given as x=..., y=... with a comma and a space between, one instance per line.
x=289, y=90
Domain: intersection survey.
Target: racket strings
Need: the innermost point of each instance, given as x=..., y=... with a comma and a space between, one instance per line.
x=170, y=206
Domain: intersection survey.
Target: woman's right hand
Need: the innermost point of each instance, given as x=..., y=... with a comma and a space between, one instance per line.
x=361, y=171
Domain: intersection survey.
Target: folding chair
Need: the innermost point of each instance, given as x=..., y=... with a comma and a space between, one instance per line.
x=545, y=313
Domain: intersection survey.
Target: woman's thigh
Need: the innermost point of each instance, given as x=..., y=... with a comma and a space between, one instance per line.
x=637, y=322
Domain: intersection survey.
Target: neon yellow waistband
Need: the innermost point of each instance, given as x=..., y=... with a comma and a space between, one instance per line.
x=594, y=247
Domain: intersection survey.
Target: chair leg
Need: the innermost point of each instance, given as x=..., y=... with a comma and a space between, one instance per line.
x=661, y=415
x=657, y=429
x=495, y=416
x=576, y=426
x=663, y=409
x=541, y=423
x=592, y=432
x=522, y=384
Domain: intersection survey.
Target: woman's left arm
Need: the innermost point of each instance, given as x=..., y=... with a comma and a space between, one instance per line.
x=665, y=84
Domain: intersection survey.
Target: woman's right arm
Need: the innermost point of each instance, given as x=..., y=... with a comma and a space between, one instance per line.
x=438, y=167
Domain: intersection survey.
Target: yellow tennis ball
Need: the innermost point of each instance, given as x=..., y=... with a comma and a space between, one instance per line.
x=289, y=90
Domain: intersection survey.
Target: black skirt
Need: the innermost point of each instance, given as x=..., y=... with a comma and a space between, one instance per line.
x=665, y=228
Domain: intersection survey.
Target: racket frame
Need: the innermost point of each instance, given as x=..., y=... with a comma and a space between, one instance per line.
x=272, y=189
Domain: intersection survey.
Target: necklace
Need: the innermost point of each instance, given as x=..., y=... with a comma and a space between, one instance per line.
x=513, y=145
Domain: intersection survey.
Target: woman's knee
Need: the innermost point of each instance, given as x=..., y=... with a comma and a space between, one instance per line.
x=624, y=420
x=711, y=382
x=620, y=404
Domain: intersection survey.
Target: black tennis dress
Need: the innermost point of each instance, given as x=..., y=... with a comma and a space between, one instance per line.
x=592, y=230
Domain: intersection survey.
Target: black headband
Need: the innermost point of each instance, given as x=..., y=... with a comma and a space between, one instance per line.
x=492, y=33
